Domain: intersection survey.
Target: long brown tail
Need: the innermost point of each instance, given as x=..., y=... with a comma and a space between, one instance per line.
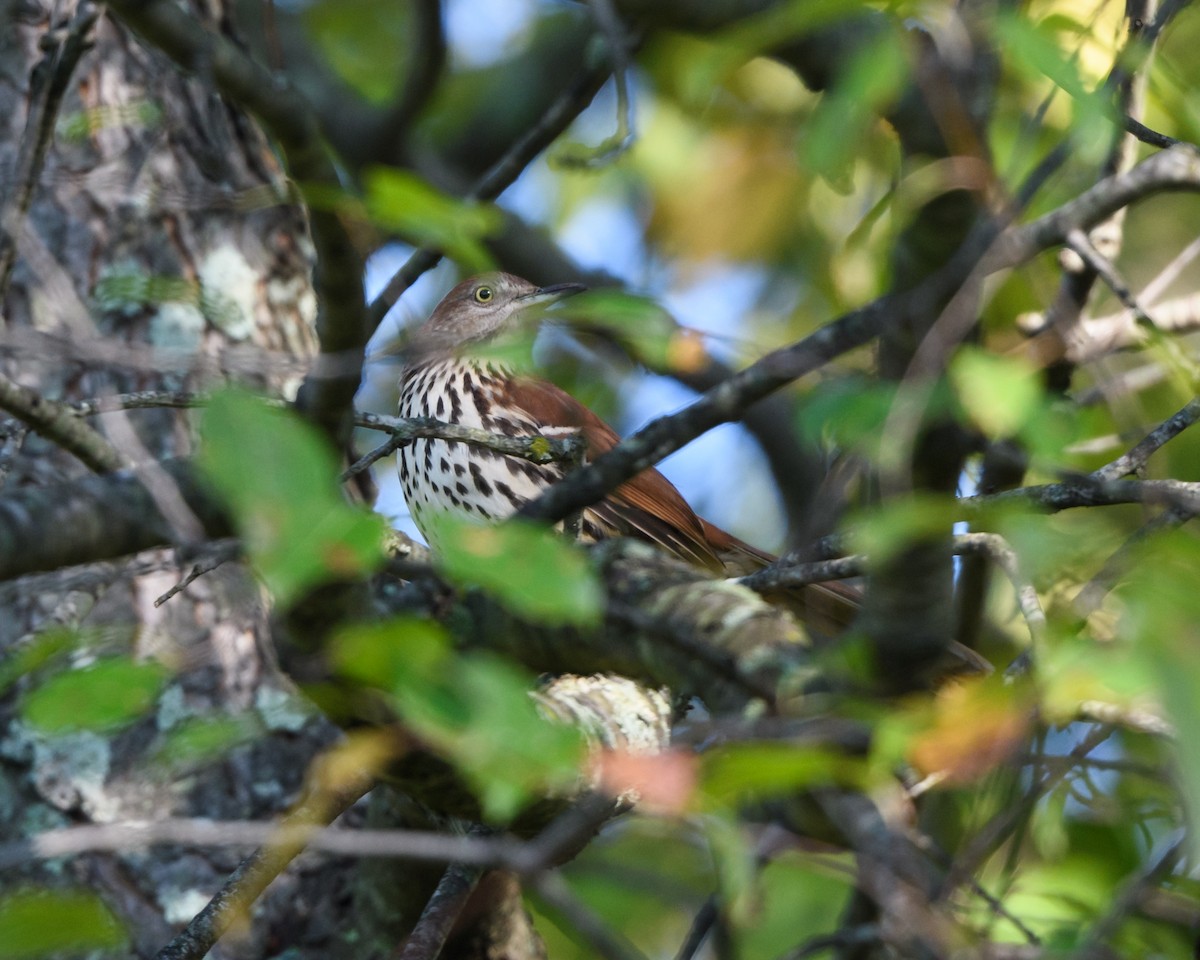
x=828, y=609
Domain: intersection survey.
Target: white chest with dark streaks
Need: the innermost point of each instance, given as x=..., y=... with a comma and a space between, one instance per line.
x=468, y=482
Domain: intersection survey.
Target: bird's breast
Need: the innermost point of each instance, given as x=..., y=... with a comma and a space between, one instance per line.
x=453, y=477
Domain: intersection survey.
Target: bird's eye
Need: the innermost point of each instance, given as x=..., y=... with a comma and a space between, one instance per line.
x=483, y=294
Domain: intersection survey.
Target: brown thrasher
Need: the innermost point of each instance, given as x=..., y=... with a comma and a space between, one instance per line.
x=443, y=381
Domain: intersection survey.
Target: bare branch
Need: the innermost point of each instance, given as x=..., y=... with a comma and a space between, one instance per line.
x=440, y=914
x=1175, y=169
x=535, y=449
x=501, y=175
x=1135, y=459
x=59, y=424
x=280, y=844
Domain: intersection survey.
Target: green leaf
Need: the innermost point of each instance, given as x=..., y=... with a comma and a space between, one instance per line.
x=363, y=40
x=201, y=740
x=36, y=923
x=280, y=480
x=897, y=524
x=474, y=710
x=646, y=330
x=529, y=569
x=45, y=648
x=874, y=78
x=108, y=694
x=733, y=773
x=1001, y=394
x=425, y=216
x=1160, y=627
x=848, y=413
x=1034, y=50
x=508, y=749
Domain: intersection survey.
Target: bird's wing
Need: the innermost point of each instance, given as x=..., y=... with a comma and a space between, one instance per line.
x=648, y=506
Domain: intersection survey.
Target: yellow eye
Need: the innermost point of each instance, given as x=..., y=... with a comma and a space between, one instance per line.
x=483, y=294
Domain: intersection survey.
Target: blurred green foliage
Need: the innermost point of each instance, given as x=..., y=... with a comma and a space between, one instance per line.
x=280, y=480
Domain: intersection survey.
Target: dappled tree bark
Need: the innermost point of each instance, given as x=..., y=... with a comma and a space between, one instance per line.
x=161, y=251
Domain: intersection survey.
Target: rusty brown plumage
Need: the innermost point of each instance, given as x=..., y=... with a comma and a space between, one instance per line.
x=443, y=381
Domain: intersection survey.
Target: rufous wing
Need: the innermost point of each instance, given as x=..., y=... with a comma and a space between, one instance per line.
x=648, y=506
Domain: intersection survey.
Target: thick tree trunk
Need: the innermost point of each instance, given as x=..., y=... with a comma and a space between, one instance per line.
x=158, y=252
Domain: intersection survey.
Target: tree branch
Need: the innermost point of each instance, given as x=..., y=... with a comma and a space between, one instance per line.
x=59, y=424
x=500, y=176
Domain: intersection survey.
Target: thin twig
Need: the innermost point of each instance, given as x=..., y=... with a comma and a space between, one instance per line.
x=57, y=423
x=605, y=942
x=1106, y=270
x=1146, y=135
x=535, y=449
x=973, y=853
x=698, y=932
x=140, y=400
x=441, y=913
x=280, y=844
x=1135, y=459
x=498, y=177
x=619, y=45
x=222, y=552
x=1161, y=862
x=386, y=449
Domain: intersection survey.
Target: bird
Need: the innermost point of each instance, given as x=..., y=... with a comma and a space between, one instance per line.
x=444, y=381
x=447, y=377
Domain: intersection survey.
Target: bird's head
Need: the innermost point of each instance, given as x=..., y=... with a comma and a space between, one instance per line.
x=483, y=307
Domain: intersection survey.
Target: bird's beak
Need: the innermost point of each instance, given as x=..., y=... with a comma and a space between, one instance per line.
x=549, y=294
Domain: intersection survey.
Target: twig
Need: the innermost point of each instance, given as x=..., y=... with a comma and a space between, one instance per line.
x=1092, y=594
x=1135, y=459
x=440, y=913
x=1145, y=134
x=56, y=422
x=698, y=932
x=281, y=844
x=782, y=575
x=498, y=177
x=972, y=854
x=1106, y=270
x=565, y=834
x=1161, y=862
x=1178, y=167
x=386, y=449
x=535, y=449
x=1088, y=492
x=222, y=551
x=862, y=935
x=606, y=943
x=142, y=399
x=622, y=139
x=48, y=84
